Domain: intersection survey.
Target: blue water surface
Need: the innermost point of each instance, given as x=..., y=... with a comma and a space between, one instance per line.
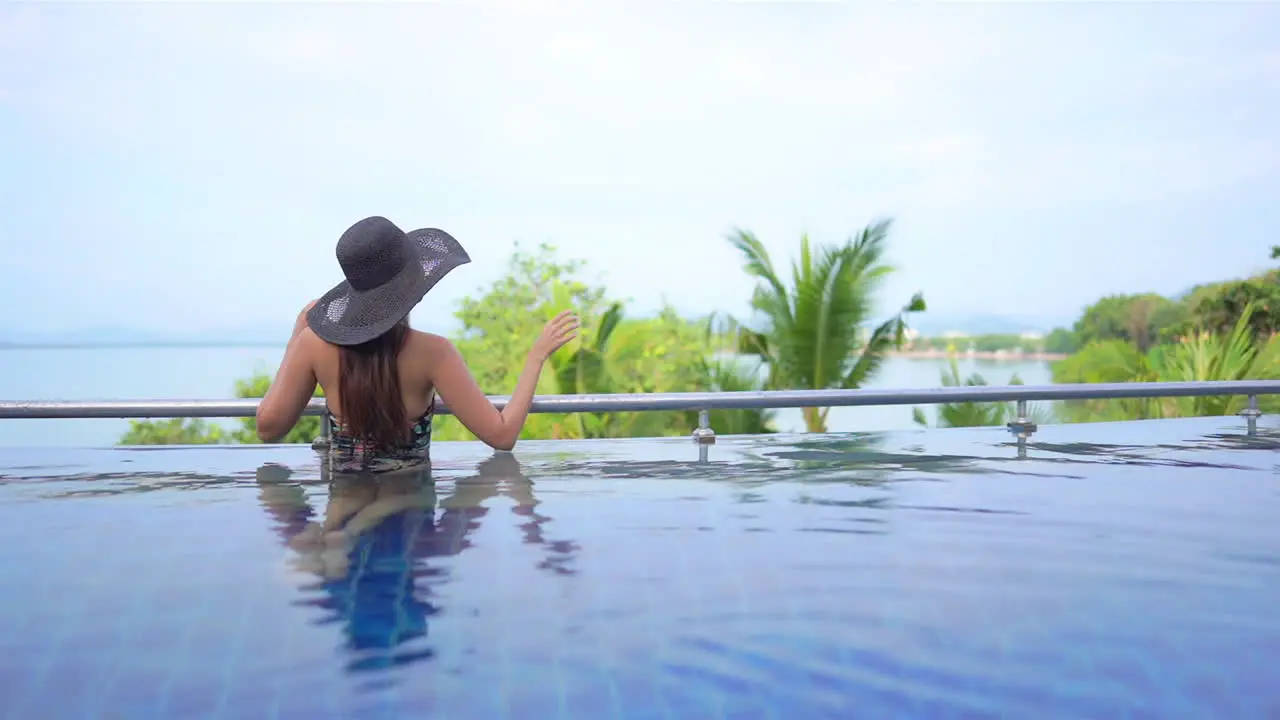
x=1120, y=570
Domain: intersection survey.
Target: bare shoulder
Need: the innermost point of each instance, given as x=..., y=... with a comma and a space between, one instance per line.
x=310, y=344
x=429, y=341
x=430, y=348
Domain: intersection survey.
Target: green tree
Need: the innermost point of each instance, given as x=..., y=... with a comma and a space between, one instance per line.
x=1204, y=356
x=811, y=335
x=1061, y=340
x=1217, y=306
x=1138, y=319
x=975, y=414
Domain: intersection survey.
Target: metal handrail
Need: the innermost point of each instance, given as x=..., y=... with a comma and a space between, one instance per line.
x=649, y=402
x=1022, y=425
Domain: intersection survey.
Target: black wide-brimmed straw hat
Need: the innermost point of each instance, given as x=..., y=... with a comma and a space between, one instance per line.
x=388, y=271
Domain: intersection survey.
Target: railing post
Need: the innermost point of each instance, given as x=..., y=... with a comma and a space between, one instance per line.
x=322, y=442
x=1251, y=415
x=1022, y=428
x=703, y=435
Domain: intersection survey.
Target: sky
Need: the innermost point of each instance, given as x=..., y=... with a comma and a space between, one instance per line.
x=185, y=167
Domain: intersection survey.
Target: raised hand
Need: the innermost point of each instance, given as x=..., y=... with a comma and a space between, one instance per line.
x=555, y=334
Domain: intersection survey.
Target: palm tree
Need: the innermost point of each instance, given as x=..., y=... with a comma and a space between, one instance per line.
x=976, y=414
x=810, y=337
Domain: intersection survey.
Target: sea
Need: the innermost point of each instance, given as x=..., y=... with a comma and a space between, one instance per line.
x=186, y=373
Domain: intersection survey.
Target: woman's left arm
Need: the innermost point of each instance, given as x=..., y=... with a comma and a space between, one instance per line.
x=293, y=386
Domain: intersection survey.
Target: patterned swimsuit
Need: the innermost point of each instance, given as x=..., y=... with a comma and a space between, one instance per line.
x=346, y=454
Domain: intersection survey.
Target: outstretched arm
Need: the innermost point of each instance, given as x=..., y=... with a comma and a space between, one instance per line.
x=498, y=429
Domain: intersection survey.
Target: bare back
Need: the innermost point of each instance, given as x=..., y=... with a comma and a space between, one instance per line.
x=414, y=363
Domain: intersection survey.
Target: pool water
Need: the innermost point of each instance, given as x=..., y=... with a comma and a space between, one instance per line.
x=1120, y=570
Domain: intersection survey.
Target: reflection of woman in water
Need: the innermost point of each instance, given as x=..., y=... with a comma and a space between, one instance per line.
x=369, y=550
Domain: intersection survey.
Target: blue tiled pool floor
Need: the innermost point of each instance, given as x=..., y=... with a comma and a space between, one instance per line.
x=1125, y=570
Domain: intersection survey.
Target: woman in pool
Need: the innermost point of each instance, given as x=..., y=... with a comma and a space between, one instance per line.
x=379, y=376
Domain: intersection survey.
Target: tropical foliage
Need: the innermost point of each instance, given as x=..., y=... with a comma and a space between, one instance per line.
x=1200, y=356
x=1215, y=331
x=811, y=334
x=811, y=330
x=1216, y=307
x=975, y=414
x=614, y=354
x=1148, y=319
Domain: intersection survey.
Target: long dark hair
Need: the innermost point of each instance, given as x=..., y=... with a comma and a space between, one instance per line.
x=369, y=389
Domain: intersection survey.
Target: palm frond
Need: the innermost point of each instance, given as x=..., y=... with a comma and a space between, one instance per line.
x=887, y=336
x=757, y=263
x=608, y=323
